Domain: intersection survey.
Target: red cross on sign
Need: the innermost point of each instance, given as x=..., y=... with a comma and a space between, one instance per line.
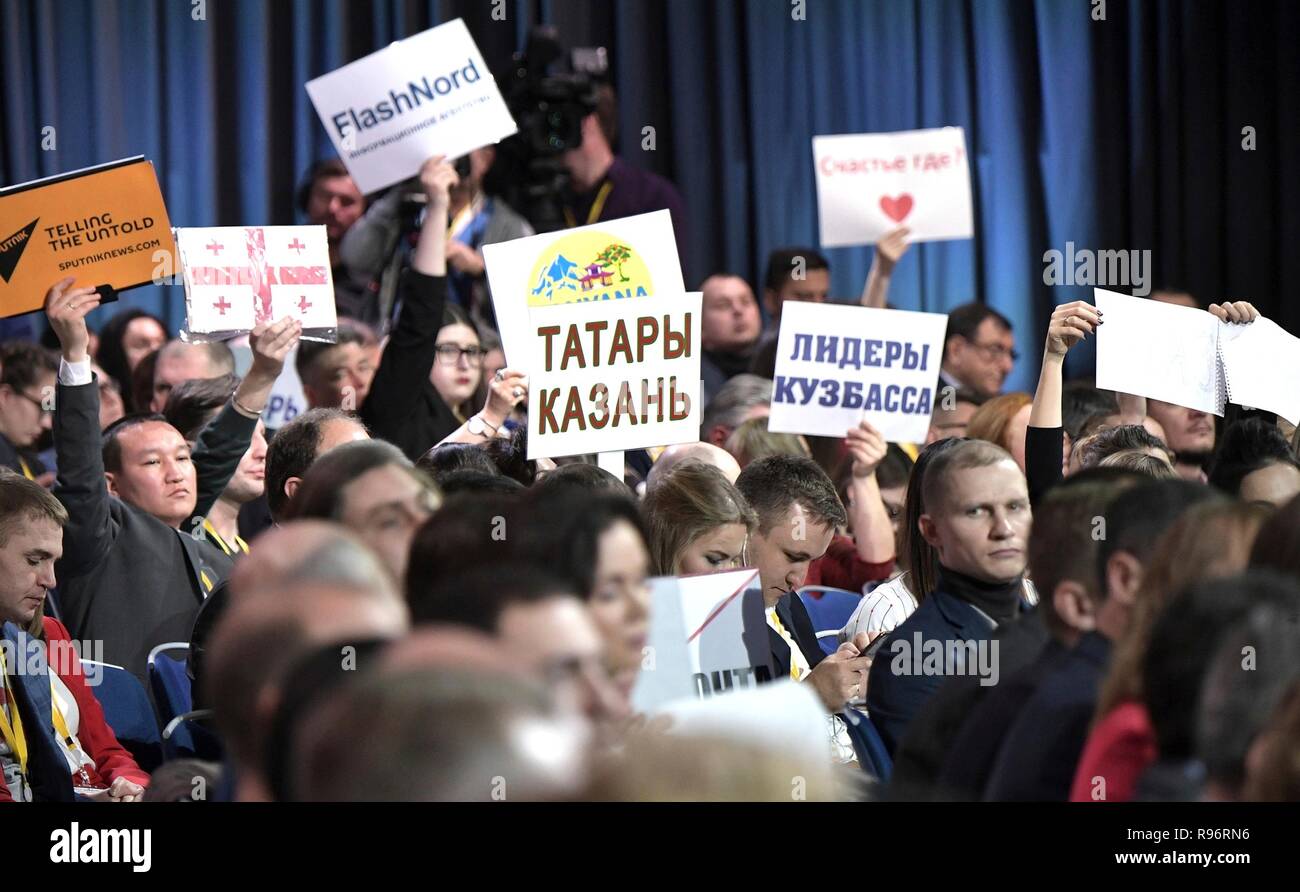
x=221, y=304
x=257, y=274
x=296, y=245
x=214, y=246
x=303, y=303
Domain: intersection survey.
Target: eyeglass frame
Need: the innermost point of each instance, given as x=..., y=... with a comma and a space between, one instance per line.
x=998, y=351
x=38, y=403
x=475, y=359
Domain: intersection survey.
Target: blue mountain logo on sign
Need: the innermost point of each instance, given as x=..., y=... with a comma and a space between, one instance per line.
x=561, y=274
x=12, y=247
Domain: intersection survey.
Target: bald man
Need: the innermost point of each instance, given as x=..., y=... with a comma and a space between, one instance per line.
x=707, y=453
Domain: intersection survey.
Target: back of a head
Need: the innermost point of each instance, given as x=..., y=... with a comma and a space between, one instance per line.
x=916, y=555
x=293, y=450
x=582, y=477
x=469, y=530
x=325, y=483
x=1142, y=463
x=306, y=551
x=476, y=596
x=442, y=736
x=510, y=455
x=1248, y=445
x=560, y=528
x=1115, y=440
x=1137, y=518
x=732, y=404
x=1063, y=542
x=690, y=501
x=1256, y=663
x=773, y=485
x=753, y=441
x=482, y=482
x=701, y=452
x=1277, y=547
x=193, y=403
x=442, y=460
x=1184, y=637
x=1080, y=400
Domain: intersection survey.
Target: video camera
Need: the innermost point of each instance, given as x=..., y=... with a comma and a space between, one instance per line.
x=549, y=96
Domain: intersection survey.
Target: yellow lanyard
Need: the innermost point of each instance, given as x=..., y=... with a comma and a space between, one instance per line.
x=466, y=214
x=27, y=471
x=11, y=727
x=240, y=544
x=596, y=206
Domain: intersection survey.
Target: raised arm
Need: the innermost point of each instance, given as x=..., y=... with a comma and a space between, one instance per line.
x=1070, y=324
x=888, y=251
x=508, y=389
x=224, y=440
x=395, y=393
x=80, y=486
x=872, y=531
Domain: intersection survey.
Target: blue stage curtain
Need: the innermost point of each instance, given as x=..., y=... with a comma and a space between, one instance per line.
x=1117, y=134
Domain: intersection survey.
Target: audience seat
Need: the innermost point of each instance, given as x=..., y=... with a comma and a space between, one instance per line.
x=170, y=681
x=128, y=712
x=829, y=609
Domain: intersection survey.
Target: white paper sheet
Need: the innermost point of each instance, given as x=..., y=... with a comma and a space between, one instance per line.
x=1261, y=365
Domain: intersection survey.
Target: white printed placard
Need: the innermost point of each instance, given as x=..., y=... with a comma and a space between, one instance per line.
x=1159, y=350
x=614, y=376
x=837, y=365
x=237, y=277
x=869, y=184
x=430, y=94
x=708, y=635
x=616, y=260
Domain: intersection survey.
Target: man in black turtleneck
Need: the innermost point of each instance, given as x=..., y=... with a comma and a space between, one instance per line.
x=977, y=517
x=729, y=329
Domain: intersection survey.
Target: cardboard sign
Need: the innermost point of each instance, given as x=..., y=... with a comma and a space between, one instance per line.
x=708, y=636
x=237, y=277
x=632, y=257
x=431, y=94
x=869, y=184
x=105, y=225
x=837, y=365
x=614, y=376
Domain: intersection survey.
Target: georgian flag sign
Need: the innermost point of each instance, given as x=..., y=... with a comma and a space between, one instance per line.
x=237, y=277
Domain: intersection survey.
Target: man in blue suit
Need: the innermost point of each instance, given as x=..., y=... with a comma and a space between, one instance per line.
x=977, y=518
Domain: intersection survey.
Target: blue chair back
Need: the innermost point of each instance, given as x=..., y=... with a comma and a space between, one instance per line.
x=870, y=748
x=170, y=681
x=128, y=712
x=190, y=736
x=829, y=609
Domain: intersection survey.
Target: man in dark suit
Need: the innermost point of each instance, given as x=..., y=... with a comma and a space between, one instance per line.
x=798, y=513
x=129, y=576
x=977, y=518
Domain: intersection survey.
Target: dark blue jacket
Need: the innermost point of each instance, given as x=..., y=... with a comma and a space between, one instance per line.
x=1042, y=749
x=893, y=699
x=47, y=769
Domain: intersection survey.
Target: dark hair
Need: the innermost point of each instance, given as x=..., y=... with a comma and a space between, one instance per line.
x=192, y=404
x=139, y=397
x=292, y=451
x=472, y=480
x=582, y=477
x=1236, y=705
x=1249, y=445
x=1277, y=547
x=111, y=355
x=349, y=332
x=111, y=447
x=322, y=169
x=1184, y=637
x=1139, y=516
x=774, y=484
x=447, y=458
x=916, y=555
x=321, y=492
x=1063, y=544
x=1111, y=441
x=965, y=320
x=561, y=529
x=510, y=455
x=475, y=596
x=1080, y=400
x=781, y=263
x=22, y=361
x=894, y=469
x=468, y=530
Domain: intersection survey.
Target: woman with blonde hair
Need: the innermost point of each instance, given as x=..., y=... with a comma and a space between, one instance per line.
x=698, y=521
x=1208, y=541
x=1003, y=420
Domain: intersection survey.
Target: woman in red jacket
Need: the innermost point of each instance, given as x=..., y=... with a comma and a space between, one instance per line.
x=31, y=540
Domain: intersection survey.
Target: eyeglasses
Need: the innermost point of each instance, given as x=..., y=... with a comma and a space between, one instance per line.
x=450, y=354
x=38, y=403
x=996, y=351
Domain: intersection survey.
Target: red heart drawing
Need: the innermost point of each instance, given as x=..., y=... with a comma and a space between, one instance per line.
x=896, y=208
